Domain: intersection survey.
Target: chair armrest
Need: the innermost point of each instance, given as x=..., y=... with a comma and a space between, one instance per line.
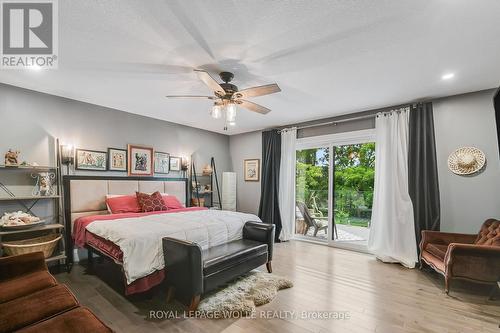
x=456, y=249
x=261, y=232
x=183, y=265
x=13, y=266
x=429, y=236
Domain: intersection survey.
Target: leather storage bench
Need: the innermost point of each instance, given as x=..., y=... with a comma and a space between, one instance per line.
x=191, y=271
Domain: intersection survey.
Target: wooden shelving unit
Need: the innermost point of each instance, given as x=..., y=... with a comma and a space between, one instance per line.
x=53, y=224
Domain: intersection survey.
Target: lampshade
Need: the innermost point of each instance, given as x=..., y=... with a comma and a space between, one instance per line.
x=216, y=112
x=67, y=154
x=231, y=113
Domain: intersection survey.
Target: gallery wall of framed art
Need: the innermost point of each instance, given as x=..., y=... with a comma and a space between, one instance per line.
x=135, y=160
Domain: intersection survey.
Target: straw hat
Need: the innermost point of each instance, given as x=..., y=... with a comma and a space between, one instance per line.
x=466, y=161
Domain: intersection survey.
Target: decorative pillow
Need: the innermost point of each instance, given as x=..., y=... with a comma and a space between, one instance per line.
x=151, y=202
x=171, y=202
x=122, y=204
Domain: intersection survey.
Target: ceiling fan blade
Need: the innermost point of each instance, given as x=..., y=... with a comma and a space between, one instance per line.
x=258, y=91
x=210, y=82
x=252, y=106
x=191, y=96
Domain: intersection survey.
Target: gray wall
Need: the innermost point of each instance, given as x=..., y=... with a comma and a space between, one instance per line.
x=241, y=147
x=30, y=121
x=467, y=120
x=464, y=120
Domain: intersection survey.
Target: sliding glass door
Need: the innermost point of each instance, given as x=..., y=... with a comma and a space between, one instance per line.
x=334, y=189
x=312, y=193
x=354, y=175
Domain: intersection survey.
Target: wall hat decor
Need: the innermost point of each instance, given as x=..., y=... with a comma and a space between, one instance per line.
x=466, y=161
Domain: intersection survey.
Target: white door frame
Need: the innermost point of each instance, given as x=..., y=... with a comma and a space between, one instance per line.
x=329, y=141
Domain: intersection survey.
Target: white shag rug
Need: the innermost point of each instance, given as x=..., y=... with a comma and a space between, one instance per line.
x=241, y=296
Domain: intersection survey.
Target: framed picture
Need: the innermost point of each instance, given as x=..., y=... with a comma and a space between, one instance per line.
x=140, y=161
x=175, y=163
x=251, y=169
x=117, y=159
x=162, y=161
x=90, y=160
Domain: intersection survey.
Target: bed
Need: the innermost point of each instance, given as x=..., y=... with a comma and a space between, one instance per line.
x=133, y=240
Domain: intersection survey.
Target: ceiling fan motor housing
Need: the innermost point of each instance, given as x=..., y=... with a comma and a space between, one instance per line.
x=226, y=76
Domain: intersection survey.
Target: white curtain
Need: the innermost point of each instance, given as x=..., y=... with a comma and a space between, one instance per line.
x=287, y=182
x=392, y=232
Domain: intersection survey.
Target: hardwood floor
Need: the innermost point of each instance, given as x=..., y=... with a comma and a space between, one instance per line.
x=377, y=298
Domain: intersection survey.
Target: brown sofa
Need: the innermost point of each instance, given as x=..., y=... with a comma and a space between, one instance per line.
x=460, y=256
x=31, y=300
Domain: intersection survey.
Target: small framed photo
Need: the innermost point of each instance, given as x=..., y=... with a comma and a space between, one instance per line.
x=117, y=159
x=162, y=162
x=251, y=169
x=175, y=163
x=140, y=160
x=90, y=160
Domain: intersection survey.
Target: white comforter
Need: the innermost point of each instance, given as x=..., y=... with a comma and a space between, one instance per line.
x=140, y=238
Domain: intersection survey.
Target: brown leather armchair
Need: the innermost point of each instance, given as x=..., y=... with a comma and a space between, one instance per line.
x=460, y=256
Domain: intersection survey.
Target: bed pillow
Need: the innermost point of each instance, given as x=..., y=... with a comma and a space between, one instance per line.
x=151, y=202
x=171, y=202
x=122, y=204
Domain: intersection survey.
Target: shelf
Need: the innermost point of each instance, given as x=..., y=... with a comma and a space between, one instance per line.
x=57, y=257
x=29, y=197
x=28, y=167
x=37, y=228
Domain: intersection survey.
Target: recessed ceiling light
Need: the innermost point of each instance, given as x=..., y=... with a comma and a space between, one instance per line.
x=448, y=76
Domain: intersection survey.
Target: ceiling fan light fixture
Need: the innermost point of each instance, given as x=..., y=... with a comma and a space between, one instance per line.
x=216, y=111
x=231, y=113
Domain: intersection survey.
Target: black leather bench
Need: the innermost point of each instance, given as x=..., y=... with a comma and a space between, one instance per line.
x=192, y=272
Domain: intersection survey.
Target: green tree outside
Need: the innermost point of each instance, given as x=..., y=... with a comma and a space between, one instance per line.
x=354, y=180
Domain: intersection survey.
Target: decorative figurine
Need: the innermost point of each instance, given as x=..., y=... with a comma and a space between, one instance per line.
x=207, y=170
x=11, y=158
x=44, y=184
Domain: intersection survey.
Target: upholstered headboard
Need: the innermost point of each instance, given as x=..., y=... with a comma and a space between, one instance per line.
x=86, y=195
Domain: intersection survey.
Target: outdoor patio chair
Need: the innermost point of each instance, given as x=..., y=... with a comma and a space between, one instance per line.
x=318, y=223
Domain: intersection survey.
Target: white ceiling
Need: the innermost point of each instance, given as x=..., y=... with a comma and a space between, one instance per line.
x=329, y=57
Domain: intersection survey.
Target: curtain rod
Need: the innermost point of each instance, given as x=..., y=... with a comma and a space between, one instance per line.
x=333, y=122
x=345, y=120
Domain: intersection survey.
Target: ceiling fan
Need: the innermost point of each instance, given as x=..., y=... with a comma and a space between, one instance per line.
x=227, y=96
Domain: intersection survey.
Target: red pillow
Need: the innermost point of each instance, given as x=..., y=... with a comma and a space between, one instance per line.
x=151, y=203
x=172, y=202
x=123, y=204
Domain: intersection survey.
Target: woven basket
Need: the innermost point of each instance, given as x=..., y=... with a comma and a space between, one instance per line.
x=45, y=244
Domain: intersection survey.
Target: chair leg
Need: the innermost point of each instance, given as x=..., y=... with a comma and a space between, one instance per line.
x=170, y=294
x=447, y=284
x=269, y=267
x=306, y=230
x=315, y=231
x=195, y=301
